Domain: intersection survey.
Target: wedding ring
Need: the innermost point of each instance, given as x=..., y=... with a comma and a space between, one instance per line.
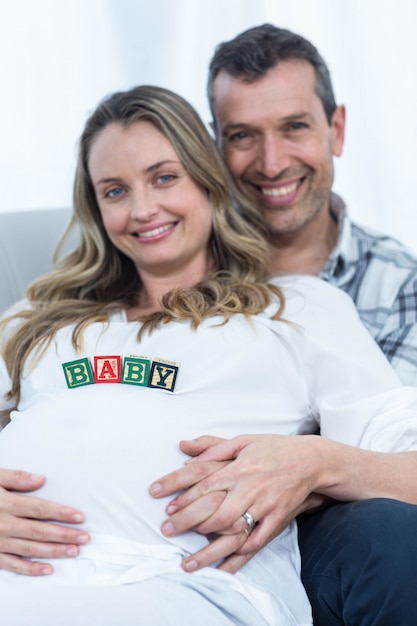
x=250, y=522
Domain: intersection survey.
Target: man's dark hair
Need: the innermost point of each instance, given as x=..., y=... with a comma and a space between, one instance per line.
x=255, y=51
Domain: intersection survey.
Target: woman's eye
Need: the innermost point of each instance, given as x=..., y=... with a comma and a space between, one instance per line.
x=114, y=193
x=166, y=178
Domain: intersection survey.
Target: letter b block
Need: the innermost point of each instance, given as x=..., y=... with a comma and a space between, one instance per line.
x=136, y=371
x=78, y=373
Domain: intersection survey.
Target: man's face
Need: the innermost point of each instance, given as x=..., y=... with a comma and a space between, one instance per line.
x=277, y=143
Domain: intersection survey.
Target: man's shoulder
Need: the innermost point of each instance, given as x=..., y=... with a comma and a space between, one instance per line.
x=380, y=275
x=378, y=272
x=374, y=245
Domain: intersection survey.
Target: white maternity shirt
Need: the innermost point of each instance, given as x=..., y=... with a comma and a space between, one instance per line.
x=102, y=443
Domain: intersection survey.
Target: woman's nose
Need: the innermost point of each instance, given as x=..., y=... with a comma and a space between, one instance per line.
x=143, y=206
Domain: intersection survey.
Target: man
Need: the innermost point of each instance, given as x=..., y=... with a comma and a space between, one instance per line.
x=278, y=126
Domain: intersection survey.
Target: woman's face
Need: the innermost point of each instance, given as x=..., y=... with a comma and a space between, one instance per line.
x=152, y=210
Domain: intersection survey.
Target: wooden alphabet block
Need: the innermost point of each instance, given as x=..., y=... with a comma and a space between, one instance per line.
x=78, y=373
x=107, y=369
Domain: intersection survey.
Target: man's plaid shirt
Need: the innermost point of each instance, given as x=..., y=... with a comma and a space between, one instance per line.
x=380, y=275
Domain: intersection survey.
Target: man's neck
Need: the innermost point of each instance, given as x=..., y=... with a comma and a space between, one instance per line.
x=305, y=251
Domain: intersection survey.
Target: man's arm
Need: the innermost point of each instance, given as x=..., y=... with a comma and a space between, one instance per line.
x=275, y=478
x=400, y=347
x=24, y=532
x=389, y=314
x=355, y=397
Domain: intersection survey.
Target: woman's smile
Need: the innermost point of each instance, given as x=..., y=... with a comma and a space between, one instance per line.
x=152, y=209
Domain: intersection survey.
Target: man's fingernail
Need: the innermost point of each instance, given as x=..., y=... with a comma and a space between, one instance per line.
x=77, y=518
x=46, y=570
x=171, y=508
x=155, y=489
x=190, y=566
x=168, y=529
x=83, y=539
x=72, y=551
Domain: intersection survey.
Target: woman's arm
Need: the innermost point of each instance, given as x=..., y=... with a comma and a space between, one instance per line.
x=28, y=528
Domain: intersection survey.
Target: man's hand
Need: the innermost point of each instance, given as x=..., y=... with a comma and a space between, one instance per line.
x=271, y=476
x=24, y=533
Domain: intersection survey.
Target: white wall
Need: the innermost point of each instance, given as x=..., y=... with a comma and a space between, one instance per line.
x=58, y=58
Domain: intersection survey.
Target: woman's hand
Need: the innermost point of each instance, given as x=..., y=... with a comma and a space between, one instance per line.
x=271, y=476
x=25, y=533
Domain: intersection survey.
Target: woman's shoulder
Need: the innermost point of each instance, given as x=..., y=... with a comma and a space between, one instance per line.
x=14, y=314
x=298, y=288
x=310, y=300
x=16, y=308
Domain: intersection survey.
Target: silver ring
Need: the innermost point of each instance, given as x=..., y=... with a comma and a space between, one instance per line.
x=249, y=520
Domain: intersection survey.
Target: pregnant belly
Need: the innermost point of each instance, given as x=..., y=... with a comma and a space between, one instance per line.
x=100, y=461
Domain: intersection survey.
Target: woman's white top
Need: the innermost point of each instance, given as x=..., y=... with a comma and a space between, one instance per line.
x=101, y=444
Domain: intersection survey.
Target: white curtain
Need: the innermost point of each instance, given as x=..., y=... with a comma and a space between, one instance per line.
x=58, y=58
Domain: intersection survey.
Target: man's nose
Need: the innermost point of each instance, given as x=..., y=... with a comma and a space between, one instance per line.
x=273, y=156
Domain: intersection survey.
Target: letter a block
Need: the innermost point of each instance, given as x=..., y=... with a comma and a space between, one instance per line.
x=78, y=373
x=107, y=369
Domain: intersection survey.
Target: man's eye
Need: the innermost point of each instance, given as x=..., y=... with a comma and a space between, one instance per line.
x=238, y=136
x=297, y=126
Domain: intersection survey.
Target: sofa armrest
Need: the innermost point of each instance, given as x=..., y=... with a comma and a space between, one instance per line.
x=27, y=242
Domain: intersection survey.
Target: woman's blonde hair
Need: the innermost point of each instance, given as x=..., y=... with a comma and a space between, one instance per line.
x=95, y=278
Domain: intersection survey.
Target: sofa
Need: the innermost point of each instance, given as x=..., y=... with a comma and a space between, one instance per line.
x=27, y=243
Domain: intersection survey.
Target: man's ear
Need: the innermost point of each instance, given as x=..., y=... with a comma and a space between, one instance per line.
x=338, y=125
x=216, y=135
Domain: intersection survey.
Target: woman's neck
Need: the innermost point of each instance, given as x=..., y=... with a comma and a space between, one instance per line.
x=154, y=287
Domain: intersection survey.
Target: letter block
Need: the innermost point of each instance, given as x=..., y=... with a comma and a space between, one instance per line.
x=130, y=370
x=136, y=371
x=107, y=369
x=78, y=373
x=163, y=375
